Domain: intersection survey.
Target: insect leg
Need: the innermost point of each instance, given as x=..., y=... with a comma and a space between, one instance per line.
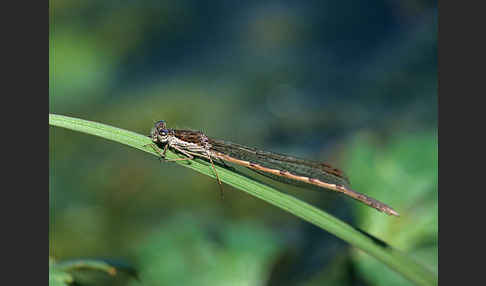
x=217, y=177
x=157, y=149
x=189, y=156
x=208, y=157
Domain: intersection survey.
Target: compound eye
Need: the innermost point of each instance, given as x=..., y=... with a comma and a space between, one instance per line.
x=163, y=132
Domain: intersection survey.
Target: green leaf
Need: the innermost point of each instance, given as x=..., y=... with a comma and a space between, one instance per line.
x=109, y=267
x=59, y=278
x=395, y=259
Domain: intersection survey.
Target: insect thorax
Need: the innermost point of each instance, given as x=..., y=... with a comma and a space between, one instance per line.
x=193, y=147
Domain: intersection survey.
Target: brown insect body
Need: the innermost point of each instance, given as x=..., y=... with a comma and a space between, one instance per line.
x=276, y=166
x=281, y=162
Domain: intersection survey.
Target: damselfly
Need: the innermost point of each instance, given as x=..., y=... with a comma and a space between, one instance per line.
x=280, y=167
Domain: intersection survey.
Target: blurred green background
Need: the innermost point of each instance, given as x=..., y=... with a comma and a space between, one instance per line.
x=352, y=83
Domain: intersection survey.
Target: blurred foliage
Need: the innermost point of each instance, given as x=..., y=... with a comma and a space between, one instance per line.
x=404, y=172
x=191, y=251
x=84, y=271
x=351, y=83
